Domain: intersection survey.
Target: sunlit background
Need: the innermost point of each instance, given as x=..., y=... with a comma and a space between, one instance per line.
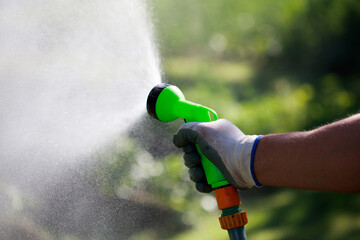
x=267, y=66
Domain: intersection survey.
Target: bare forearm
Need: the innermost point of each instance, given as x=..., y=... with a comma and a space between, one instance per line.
x=327, y=158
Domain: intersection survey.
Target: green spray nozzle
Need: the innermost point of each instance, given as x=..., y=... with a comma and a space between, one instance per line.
x=167, y=103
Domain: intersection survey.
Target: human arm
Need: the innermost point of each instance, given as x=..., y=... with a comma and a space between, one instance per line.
x=325, y=159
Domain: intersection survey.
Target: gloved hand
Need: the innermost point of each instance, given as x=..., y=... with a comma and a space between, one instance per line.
x=228, y=148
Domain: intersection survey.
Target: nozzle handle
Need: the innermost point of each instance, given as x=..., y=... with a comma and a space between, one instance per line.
x=193, y=112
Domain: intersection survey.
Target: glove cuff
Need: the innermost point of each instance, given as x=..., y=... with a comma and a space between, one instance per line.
x=240, y=163
x=257, y=184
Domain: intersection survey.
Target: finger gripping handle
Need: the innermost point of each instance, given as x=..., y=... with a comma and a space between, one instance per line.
x=213, y=175
x=201, y=113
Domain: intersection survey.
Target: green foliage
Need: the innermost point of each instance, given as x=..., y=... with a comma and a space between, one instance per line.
x=201, y=27
x=268, y=66
x=297, y=214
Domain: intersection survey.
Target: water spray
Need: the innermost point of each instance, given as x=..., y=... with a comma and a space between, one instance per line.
x=167, y=103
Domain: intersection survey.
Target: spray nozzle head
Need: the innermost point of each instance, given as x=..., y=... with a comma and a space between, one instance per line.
x=167, y=103
x=152, y=99
x=162, y=101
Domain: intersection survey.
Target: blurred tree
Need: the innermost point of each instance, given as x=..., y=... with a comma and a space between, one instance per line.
x=320, y=48
x=269, y=66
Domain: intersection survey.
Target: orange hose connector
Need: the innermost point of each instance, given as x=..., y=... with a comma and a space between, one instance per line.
x=233, y=221
x=227, y=197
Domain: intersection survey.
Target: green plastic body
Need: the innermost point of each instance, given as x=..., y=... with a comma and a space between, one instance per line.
x=171, y=105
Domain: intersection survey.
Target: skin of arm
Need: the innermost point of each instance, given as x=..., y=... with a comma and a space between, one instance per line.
x=325, y=159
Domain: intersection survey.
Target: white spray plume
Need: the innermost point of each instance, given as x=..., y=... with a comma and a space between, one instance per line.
x=73, y=75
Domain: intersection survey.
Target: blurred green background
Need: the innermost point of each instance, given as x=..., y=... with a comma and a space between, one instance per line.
x=269, y=67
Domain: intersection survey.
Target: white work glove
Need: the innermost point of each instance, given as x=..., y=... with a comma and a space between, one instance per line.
x=228, y=148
